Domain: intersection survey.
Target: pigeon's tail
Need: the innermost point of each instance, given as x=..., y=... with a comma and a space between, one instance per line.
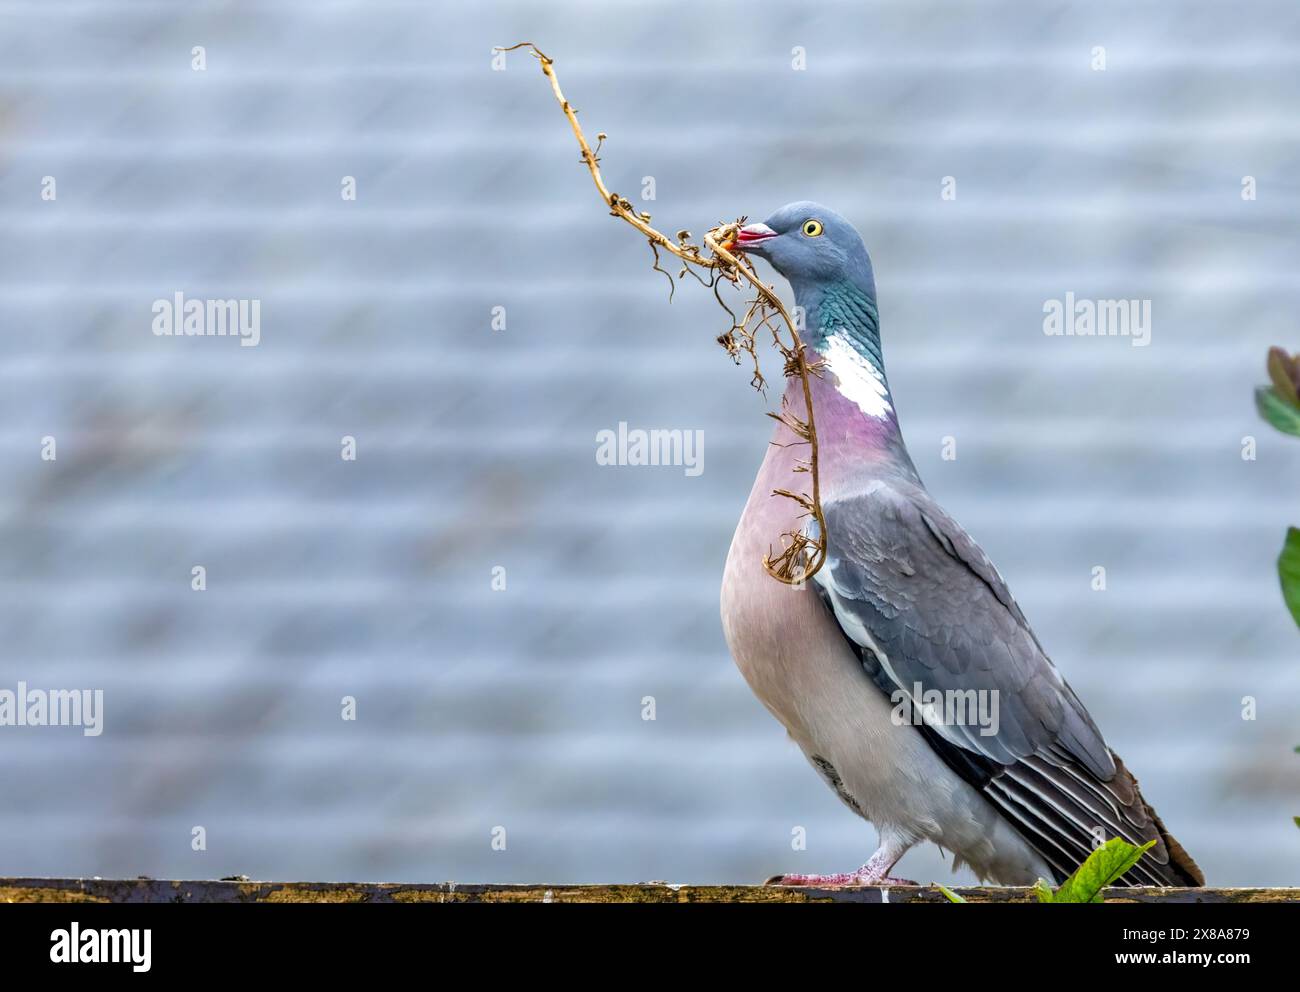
x=1168, y=859
x=1056, y=804
x=1182, y=869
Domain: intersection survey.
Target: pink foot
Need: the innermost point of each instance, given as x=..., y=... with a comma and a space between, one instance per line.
x=874, y=872
x=842, y=878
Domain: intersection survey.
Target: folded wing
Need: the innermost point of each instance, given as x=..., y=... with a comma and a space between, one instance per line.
x=927, y=611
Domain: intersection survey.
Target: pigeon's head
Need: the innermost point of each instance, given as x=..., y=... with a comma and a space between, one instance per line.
x=810, y=244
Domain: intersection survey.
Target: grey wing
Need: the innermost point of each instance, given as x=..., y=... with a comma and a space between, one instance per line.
x=928, y=611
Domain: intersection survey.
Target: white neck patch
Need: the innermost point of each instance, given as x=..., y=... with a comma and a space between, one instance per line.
x=860, y=381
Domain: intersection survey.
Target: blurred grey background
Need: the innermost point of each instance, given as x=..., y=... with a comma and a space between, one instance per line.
x=522, y=708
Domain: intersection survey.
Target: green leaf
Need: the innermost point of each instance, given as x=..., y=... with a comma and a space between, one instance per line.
x=1044, y=891
x=950, y=894
x=1288, y=572
x=1277, y=411
x=1102, y=868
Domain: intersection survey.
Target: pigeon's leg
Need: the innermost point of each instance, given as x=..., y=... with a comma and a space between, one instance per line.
x=874, y=872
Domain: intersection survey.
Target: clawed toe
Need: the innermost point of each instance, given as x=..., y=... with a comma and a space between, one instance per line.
x=803, y=880
x=874, y=872
x=846, y=878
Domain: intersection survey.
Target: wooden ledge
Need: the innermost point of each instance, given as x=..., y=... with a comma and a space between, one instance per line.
x=103, y=890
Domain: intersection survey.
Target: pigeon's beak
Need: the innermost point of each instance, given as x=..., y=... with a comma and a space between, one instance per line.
x=752, y=235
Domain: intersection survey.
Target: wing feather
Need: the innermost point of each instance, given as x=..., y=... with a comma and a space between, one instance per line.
x=927, y=610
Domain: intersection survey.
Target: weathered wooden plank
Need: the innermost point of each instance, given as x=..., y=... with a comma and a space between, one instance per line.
x=102, y=890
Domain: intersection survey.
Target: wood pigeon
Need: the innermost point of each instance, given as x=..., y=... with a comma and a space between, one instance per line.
x=903, y=669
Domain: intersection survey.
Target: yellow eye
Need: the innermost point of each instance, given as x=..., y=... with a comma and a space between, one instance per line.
x=812, y=228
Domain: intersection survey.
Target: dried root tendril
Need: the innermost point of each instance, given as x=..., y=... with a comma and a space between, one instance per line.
x=802, y=553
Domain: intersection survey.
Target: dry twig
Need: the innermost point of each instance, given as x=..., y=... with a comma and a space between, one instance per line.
x=801, y=555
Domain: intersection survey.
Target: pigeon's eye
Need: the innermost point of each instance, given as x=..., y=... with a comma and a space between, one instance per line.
x=812, y=228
